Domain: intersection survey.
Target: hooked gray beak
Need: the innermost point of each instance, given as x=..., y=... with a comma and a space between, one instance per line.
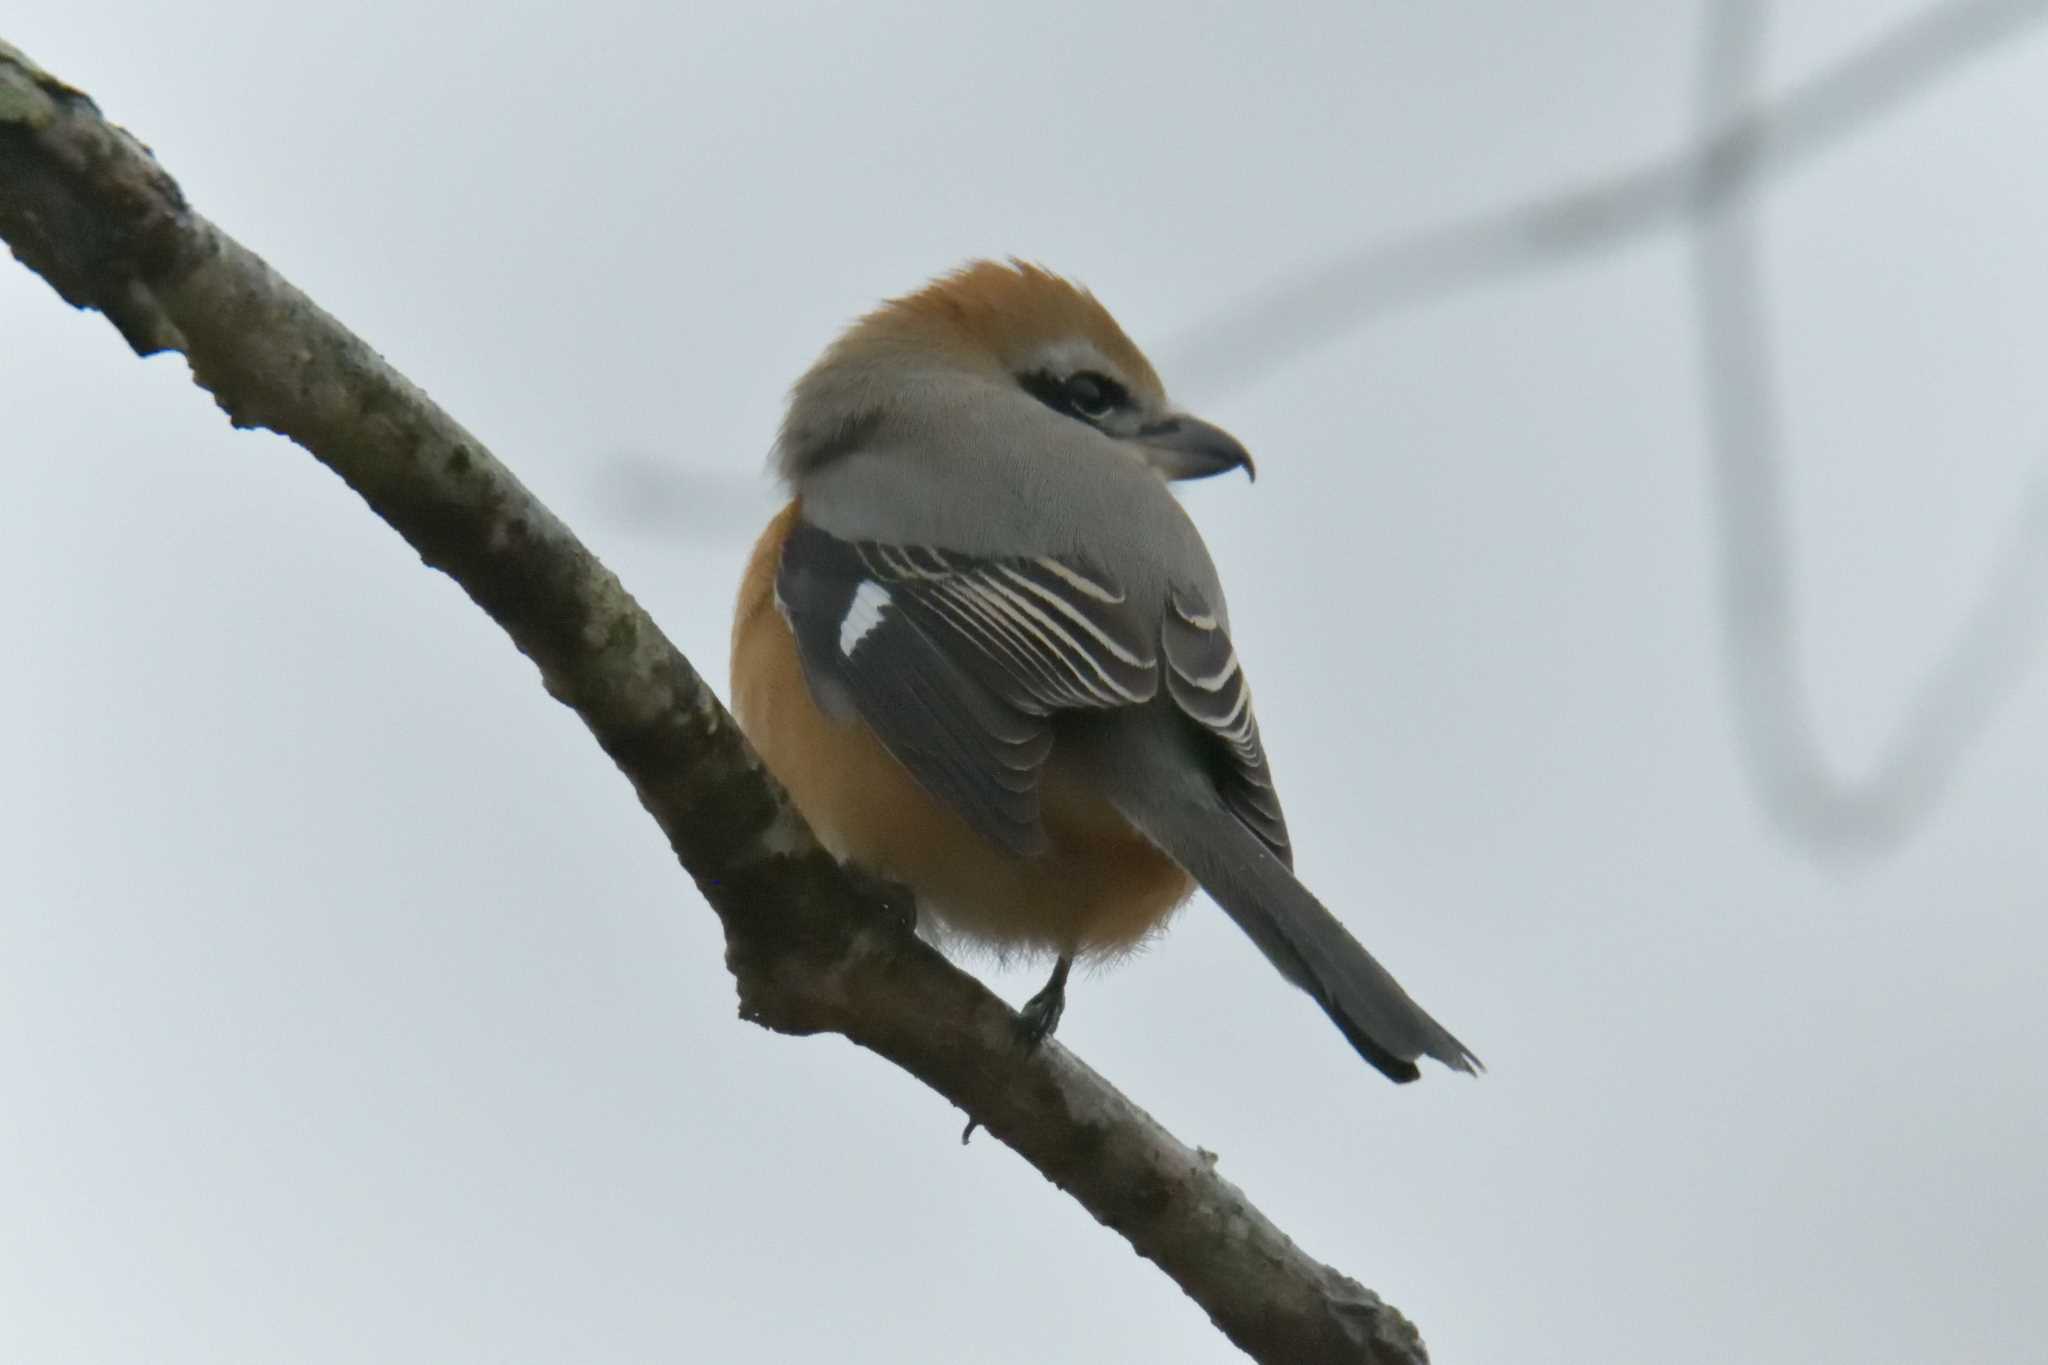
x=1188, y=448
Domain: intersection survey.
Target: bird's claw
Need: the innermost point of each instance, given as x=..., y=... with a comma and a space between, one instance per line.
x=1039, y=1017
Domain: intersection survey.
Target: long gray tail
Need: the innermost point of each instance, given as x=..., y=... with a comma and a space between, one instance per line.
x=1305, y=941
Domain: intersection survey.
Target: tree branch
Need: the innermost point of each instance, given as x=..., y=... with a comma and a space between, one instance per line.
x=811, y=947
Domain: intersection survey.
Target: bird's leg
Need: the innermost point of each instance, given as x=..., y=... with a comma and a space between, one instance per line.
x=1039, y=1017
x=1036, y=1021
x=1041, y=1013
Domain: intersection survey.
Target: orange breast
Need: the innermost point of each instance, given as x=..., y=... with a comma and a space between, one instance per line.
x=1100, y=889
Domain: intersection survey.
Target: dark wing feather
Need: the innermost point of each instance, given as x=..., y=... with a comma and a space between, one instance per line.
x=957, y=662
x=1208, y=684
x=1042, y=634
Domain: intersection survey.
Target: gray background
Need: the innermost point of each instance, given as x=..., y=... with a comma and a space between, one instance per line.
x=350, y=1009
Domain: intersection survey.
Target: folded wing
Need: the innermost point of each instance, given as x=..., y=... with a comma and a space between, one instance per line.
x=959, y=662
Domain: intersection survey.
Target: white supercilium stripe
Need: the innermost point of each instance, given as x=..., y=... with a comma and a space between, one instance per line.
x=863, y=614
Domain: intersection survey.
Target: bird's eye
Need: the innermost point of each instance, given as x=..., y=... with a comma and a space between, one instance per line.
x=1086, y=395
x=1091, y=395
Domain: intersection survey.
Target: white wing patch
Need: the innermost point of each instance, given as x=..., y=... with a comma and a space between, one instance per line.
x=863, y=614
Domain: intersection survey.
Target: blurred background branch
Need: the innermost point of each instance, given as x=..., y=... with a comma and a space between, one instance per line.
x=1709, y=186
x=1960, y=692
x=1737, y=149
x=1740, y=146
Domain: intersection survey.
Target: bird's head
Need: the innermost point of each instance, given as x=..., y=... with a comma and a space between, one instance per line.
x=992, y=329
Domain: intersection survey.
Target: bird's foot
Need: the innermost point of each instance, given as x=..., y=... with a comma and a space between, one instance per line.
x=1041, y=1013
x=1036, y=1021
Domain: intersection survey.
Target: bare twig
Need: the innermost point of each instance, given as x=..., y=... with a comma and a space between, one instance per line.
x=86, y=207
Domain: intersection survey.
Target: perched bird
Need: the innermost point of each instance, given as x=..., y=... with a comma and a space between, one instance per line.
x=985, y=650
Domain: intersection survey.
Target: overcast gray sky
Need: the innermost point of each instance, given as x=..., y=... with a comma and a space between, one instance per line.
x=351, y=1009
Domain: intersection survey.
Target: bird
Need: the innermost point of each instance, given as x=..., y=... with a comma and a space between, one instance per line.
x=985, y=650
